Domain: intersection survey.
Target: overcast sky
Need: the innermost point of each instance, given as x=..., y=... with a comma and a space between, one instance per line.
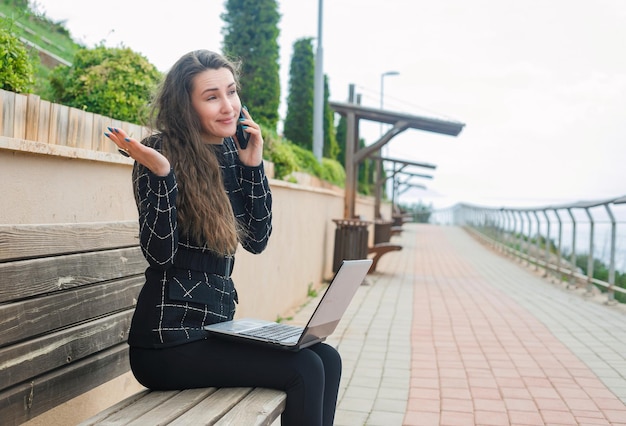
x=539, y=84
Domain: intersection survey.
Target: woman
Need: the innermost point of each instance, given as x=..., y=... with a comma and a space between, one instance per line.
x=199, y=195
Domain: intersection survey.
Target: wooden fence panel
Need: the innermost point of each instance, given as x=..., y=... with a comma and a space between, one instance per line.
x=76, y=128
x=8, y=113
x=99, y=142
x=32, y=117
x=19, y=120
x=59, y=123
x=43, y=133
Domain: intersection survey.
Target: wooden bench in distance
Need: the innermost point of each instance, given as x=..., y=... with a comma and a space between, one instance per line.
x=396, y=230
x=378, y=250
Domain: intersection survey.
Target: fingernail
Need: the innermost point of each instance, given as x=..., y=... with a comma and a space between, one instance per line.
x=245, y=107
x=107, y=135
x=124, y=153
x=241, y=119
x=244, y=126
x=127, y=139
x=110, y=129
x=116, y=130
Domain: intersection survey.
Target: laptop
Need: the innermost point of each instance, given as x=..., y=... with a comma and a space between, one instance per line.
x=321, y=324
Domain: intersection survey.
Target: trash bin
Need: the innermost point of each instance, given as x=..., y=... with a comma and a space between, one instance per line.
x=382, y=231
x=351, y=240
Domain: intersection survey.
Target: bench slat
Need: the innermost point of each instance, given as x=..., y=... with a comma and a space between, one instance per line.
x=34, y=317
x=28, y=400
x=25, y=360
x=173, y=408
x=149, y=401
x=27, y=278
x=28, y=241
x=212, y=408
x=102, y=415
x=260, y=407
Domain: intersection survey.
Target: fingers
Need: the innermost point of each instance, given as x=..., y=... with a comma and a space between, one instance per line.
x=244, y=111
x=129, y=147
x=121, y=139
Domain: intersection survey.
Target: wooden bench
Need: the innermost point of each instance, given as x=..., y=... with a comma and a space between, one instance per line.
x=380, y=249
x=67, y=294
x=383, y=231
x=396, y=230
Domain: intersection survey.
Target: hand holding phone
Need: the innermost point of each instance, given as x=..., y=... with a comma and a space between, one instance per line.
x=240, y=134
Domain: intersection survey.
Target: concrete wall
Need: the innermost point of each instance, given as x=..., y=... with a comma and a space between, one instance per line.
x=49, y=184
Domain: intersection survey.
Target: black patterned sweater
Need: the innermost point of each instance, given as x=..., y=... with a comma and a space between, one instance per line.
x=188, y=286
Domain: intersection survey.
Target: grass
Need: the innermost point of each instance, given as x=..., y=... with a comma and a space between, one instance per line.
x=311, y=292
x=41, y=31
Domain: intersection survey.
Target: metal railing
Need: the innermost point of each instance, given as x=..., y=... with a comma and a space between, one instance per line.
x=536, y=235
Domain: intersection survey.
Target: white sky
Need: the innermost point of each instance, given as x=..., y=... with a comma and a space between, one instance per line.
x=540, y=84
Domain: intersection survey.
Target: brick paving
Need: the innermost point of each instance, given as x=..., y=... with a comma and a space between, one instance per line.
x=449, y=332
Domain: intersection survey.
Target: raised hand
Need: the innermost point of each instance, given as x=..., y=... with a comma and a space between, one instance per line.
x=144, y=155
x=253, y=154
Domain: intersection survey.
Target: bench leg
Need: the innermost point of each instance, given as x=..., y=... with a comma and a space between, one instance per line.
x=379, y=250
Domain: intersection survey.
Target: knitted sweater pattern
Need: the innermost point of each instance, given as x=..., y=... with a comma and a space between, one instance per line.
x=188, y=286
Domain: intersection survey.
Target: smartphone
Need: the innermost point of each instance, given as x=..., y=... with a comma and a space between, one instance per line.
x=242, y=137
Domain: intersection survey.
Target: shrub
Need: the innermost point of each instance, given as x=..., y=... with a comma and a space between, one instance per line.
x=289, y=157
x=280, y=153
x=333, y=172
x=16, y=69
x=115, y=82
x=306, y=160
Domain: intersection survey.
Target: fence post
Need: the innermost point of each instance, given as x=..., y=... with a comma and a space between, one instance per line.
x=590, y=258
x=573, y=256
x=547, y=248
x=611, y=291
x=559, y=244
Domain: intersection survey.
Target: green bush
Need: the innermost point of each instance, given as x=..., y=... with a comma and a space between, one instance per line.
x=289, y=157
x=42, y=85
x=115, y=82
x=279, y=152
x=16, y=68
x=333, y=172
x=306, y=160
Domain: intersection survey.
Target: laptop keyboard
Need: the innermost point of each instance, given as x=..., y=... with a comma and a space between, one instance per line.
x=275, y=332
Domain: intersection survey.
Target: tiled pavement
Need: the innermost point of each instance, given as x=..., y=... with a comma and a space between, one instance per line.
x=449, y=332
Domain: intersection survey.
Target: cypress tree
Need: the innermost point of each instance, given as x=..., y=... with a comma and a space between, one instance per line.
x=331, y=147
x=251, y=35
x=298, y=126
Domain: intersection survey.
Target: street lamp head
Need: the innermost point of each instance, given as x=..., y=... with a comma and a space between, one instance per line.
x=391, y=73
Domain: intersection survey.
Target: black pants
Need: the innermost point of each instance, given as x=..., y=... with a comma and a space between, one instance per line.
x=310, y=376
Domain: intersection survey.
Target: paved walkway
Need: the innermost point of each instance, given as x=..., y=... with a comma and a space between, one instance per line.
x=449, y=332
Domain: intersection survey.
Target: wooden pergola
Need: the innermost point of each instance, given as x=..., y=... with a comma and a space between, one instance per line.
x=399, y=121
x=398, y=167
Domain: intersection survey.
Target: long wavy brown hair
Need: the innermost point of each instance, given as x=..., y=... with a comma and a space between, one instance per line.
x=203, y=208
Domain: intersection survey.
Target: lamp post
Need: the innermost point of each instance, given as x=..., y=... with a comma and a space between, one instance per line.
x=318, y=90
x=382, y=91
x=382, y=96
